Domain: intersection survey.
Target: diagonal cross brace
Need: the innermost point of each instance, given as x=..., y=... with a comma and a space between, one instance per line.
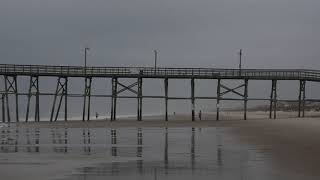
x=11, y=85
x=33, y=91
x=232, y=90
x=244, y=95
x=129, y=88
x=33, y=86
x=62, y=91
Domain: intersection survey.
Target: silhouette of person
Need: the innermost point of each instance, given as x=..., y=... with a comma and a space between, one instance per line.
x=97, y=115
x=200, y=114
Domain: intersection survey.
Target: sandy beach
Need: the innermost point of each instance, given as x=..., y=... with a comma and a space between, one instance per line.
x=292, y=143
x=227, y=119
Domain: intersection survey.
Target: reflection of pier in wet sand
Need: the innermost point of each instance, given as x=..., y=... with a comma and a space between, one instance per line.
x=165, y=153
x=63, y=141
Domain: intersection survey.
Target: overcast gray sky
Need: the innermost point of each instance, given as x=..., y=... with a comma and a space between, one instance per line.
x=273, y=33
x=187, y=33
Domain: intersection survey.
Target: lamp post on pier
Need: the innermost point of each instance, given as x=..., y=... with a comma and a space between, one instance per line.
x=155, y=61
x=85, y=59
x=240, y=61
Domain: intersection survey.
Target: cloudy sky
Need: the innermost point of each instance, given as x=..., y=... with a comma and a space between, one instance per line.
x=186, y=33
x=273, y=33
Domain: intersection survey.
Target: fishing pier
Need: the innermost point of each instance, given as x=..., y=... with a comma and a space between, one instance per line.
x=12, y=72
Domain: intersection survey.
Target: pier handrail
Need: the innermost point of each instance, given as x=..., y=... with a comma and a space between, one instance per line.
x=95, y=71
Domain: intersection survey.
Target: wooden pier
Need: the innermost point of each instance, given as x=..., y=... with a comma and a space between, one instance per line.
x=11, y=72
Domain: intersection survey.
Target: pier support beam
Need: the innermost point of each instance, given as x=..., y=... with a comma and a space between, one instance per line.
x=11, y=87
x=236, y=90
x=245, y=98
x=273, y=100
x=139, y=96
x=3, y=108
x=62, y=91
x=192, y=100
x=302, y=97
x=33, y=91
x=87, y=95
x=115, y=92
x=218, y=99
x=66, y=100
x=7, y=98
x=114, y=99
x=166, y=97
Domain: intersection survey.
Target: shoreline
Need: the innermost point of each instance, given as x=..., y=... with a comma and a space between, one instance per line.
x=227, y=119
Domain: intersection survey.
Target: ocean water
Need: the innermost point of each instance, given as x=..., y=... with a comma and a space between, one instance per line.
x=131, y=153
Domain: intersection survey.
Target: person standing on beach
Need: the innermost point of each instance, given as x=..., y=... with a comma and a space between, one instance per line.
x=200, y=114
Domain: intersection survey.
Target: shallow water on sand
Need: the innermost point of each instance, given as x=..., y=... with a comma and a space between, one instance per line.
x=131, y=153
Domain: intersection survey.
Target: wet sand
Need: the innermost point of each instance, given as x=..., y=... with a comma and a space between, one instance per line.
x=227, y=119
x=294, y=144
x=291, y=144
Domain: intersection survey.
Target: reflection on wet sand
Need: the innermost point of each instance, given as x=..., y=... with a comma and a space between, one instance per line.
x=136, y=153
x=32, y=138
x=114, y=152
x=9, y=140
x=139, y=151
x=86, y=140
x=166, y=158
x=59, y=140
x=192, y=153
x=113, y=142
x=219, y=150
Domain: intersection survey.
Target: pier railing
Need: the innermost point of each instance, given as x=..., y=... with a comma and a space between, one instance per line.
x=80, y=71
